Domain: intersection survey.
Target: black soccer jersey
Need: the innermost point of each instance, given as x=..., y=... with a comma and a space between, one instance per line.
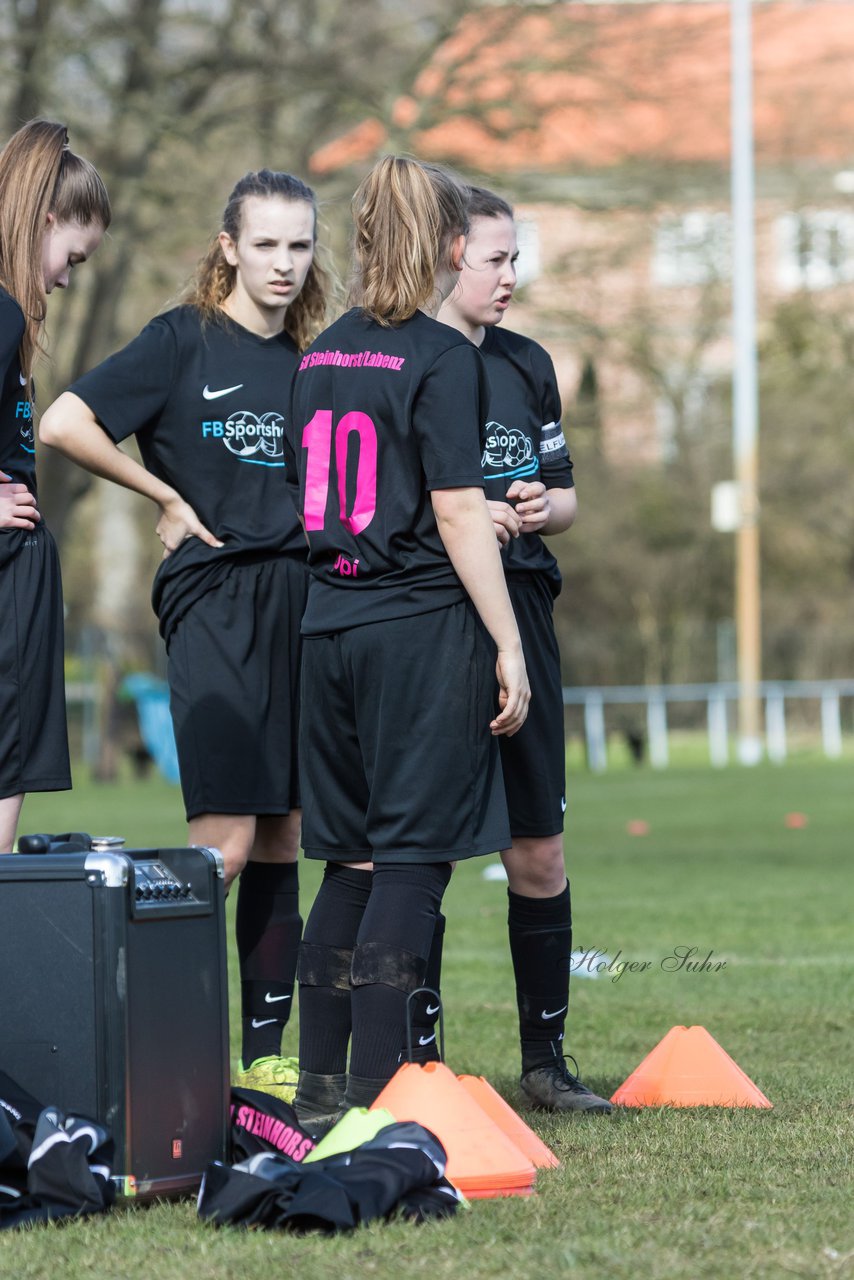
x=524, y=440
x=17, y=445
x=379, y=417
x=207, y=405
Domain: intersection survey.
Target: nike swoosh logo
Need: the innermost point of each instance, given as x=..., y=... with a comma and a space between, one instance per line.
x=563, y=804
x=545, y=1014
x=274, y=999
x=426, y=1039
x=215, y=395
x=263, y=1022
x=431, y=1009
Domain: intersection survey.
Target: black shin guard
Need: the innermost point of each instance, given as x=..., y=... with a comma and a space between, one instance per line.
x=425, y=1007
x=268, y=929
x=540, y=944
x=324, y=968
x=390, y=961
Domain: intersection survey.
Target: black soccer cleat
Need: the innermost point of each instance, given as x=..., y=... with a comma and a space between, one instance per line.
x=319, y=1101
x=551, y=1086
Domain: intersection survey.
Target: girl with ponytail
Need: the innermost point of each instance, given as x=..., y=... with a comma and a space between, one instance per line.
x=205, y=389
x=531, y=495
x=54, y=211
x=406, y=609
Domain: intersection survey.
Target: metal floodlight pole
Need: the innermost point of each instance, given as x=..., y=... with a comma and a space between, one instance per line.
x=745, y=394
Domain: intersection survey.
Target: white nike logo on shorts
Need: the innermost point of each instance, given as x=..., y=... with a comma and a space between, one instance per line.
x=274, y=999
x=215, y=395
x=545, y=1014
x=426, y=1039
x=263, y=1022
x=432, y=1008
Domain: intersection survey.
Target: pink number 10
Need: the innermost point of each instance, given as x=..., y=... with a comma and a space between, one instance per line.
x=317, y=439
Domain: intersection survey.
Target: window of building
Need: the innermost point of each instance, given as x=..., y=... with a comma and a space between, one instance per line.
x=683, y=412
x=691, y=248
x=814, y=248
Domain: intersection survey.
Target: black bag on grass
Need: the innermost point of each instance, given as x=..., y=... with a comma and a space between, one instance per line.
x=52, y=1166
x=401, y=1170
x=262, y=1124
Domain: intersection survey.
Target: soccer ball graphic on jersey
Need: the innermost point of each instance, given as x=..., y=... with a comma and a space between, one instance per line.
x=508, y=451
x=272, y=444
x=254, y=439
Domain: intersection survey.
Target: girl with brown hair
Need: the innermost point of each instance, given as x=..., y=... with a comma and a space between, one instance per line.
x=205, y=389
x=530, y=492
x=54, y=211
x=399, y=757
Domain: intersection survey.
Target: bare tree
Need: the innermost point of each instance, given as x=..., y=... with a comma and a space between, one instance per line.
x=173, y=103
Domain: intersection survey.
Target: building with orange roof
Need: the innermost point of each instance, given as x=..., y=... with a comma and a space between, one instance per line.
x=580, y=87
x=609, y=127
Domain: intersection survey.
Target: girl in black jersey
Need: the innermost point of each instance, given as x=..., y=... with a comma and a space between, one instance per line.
x=54, y=211
x=529, y=485
x=398, y=744
x=205, y=389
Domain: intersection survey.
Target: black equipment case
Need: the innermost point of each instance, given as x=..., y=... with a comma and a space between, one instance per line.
x=113, y=1001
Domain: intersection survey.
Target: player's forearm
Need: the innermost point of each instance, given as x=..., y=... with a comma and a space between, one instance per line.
x=70, y=427
x=563, y=508
x=467, y=533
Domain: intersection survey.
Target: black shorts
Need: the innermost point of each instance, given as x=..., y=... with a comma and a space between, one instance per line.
x=33, y=732
x=234, y=691
x=397, y=760
x=533, y=760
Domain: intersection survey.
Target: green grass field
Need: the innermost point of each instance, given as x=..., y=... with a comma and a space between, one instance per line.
x=651, y=1193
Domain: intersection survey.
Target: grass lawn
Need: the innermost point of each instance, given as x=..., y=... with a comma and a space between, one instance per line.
x=651, y=1193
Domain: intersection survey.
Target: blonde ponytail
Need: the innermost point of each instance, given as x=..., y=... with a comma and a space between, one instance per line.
x=406, y=214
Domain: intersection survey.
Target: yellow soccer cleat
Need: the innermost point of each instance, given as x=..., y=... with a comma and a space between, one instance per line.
x=273, y=1075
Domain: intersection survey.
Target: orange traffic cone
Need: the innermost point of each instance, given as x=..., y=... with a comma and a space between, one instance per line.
x=509, y=1122
x=688, y=1068
x=482, y=1160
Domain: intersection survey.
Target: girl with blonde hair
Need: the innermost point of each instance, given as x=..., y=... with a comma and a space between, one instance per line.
x=205, y=389
x=407, y=605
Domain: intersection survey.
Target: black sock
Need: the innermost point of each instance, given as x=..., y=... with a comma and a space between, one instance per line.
x=268, y=928
x=425, y=1008
x=390, y=961
x=540, y=944
x=324, y=970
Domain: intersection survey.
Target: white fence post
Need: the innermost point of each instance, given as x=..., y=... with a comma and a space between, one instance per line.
x=775, y=725
x=656, y=727
x=831, y=725
x=594, y=728
x=718, y=731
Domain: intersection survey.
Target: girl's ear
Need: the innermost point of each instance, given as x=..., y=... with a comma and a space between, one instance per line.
x=229, y=249
x=458, y=249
